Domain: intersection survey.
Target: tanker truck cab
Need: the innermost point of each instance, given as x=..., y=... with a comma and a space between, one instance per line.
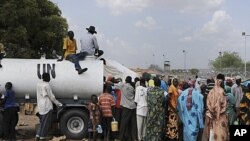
x=71, y=89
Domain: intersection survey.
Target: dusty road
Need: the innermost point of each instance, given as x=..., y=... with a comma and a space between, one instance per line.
x=26, y=129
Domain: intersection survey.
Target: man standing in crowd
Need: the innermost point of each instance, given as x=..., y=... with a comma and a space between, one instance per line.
x=89, y=45
x=128, y=127
x=10, y=115
x=197, y=83
x=210, y=85
x=45, y=100
x=142, y=108
x=69, y=52
x=238, y=94
x=107, y=103
x=216, y=121
x=118, y=108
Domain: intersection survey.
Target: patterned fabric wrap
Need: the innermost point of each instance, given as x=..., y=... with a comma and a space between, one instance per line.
x=155, y=97
x=189, y=99
x=245, y=109
x=192, y=118
x=216, y=115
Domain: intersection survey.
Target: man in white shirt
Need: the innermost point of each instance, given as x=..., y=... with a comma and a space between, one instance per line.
x=89, y=43
x=45, y=100
x=141, y=109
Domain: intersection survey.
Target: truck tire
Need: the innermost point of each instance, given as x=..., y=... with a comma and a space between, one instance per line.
x=1, y=124
x=73, y=124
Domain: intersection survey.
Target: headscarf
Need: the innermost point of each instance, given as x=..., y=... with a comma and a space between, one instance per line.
x=215, y=95
x=189, y=96
x=173, y=94
x=228, y=89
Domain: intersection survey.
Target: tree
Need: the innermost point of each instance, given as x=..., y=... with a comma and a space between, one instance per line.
x=146, y=76
x=29, y=26
x=227, y=60
x=155, y=67
x=194, y=71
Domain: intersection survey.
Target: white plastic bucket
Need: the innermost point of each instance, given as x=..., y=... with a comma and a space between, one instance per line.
x=114, y=125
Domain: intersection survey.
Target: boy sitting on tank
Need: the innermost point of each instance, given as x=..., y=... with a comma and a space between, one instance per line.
x=69, y=52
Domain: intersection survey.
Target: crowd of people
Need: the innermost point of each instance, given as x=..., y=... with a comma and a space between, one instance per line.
x=149, y=110
x=158, y=110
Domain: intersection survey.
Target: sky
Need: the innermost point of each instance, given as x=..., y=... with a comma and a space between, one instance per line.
x=137, y=33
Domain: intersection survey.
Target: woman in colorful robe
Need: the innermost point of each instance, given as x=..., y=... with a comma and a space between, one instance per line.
x=245, y=108
x=216, y=121
x=190, y=110
x=230, y=105
x=172, y=119
x=155, y=115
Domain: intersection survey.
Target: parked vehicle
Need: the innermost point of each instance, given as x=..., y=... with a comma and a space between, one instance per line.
x=71, y=89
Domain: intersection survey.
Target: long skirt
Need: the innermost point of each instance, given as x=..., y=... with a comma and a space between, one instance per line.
x=172, y=124
x=218, y=127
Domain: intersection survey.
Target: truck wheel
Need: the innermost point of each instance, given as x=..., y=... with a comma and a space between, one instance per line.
x=73, y=124
x=1, y=124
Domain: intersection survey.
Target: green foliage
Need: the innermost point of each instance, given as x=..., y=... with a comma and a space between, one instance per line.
x=26, y=26
x=156, y=67
x=146, y=76
x=227, y=60
x=194, y=71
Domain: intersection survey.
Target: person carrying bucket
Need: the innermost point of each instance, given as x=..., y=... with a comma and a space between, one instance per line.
x=107, y=103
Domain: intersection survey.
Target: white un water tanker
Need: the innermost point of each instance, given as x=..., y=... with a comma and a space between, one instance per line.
x=70, y=88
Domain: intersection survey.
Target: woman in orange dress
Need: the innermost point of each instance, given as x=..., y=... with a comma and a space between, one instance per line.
x=172, y=120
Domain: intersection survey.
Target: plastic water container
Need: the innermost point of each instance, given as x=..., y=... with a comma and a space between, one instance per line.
x=114, y=125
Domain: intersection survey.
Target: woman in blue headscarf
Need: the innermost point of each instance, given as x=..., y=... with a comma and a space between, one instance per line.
x=190, y=110
x=230, y=102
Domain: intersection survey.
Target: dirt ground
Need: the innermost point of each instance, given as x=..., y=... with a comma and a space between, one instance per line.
x=26, y=129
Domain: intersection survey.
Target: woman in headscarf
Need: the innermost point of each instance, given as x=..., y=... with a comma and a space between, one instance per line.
x=190, y=110
x=245, y=108
x=172, y=119
x=216, y=121
x=155, y=115
x=230, y=102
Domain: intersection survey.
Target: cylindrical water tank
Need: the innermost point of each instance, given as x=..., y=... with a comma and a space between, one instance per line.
x=65, y=81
